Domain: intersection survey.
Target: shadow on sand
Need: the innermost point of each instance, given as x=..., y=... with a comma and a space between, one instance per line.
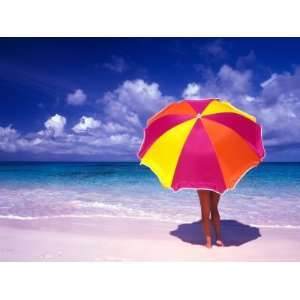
x=234, y=233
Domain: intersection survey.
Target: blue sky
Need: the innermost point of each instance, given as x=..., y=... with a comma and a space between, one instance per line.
x=89, y=99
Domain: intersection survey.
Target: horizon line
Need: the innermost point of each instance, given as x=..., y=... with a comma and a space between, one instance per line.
x=105, y=161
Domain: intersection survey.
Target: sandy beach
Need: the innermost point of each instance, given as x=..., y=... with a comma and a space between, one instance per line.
x=132, y=239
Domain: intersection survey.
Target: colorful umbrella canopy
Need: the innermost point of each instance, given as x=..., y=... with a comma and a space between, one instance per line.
x=201, y=144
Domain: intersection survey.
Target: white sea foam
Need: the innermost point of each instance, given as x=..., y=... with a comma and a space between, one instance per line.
x=24, y=218
x=154, y=204
x=276, y=226
x=156, y=218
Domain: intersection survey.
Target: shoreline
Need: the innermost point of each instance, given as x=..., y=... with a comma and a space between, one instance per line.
x=109, y=216
x=134, y=239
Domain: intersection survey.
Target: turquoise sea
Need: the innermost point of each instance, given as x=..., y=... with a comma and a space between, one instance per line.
x=269, y=195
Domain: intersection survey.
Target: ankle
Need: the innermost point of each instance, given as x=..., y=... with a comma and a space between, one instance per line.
x=208, y=239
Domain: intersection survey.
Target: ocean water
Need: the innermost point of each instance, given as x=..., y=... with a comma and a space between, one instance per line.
x=269, y=195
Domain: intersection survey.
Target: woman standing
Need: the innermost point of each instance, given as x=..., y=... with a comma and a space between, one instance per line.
x=209, y=208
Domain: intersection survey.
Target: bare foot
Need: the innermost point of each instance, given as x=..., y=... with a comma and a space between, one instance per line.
x=219, y=243
x=208, y=245
x=208, y=242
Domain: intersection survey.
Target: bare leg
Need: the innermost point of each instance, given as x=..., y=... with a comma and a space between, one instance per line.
x=204, y=198
x=215, y=216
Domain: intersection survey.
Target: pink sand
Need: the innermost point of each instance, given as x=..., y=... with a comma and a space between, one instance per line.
x=129, y=239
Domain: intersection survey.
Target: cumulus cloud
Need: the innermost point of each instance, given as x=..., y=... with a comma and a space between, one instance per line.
x=117, y=64
x=276, y=104
x=12, y=141
x=100, y=144
x=124, y=111
x=279, y=103
x=226, y=83
x=55, y=125
x=8, y=136
x=133, y=102
x=78, y=97
x=118, y=133
x=113, y=128
x=86, y=124
x=192, y=91
x=236, y=81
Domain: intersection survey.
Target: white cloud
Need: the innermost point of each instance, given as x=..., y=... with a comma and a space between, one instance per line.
x=113, y=127
x=236, y=81
x=8, y=136
x=86, y=124
x=279, y=103
x=55, y=125
x=12, y=141
x=269, y=80
x=192, y=91
x=104, y=145
x=118, y=134
x=133, y=102
x=78, y=97
x=227, y=83
x=276, y=105
x=249, y=98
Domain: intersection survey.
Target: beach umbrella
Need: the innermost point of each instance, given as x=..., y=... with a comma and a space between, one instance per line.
x=201, y=144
